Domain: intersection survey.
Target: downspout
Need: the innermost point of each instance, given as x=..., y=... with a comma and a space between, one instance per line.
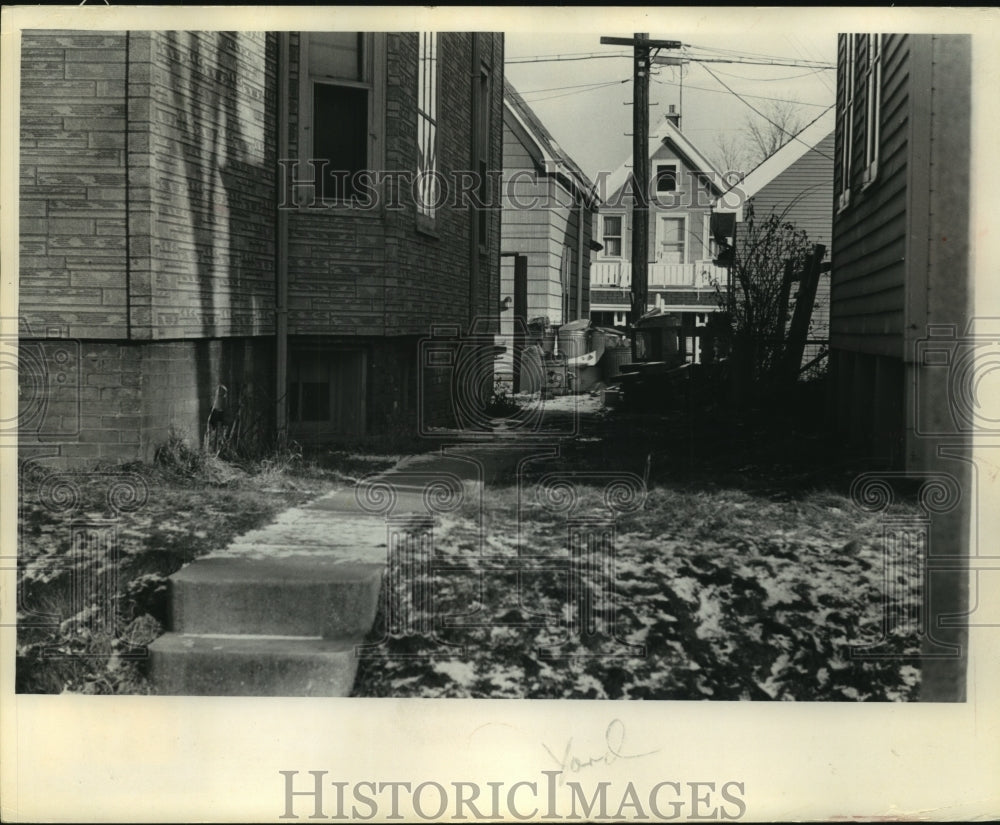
x=579, y=263
x=281, y=248
x=474, y=238
x=128, y=199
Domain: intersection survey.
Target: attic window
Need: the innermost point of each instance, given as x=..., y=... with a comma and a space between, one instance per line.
x=666, y=178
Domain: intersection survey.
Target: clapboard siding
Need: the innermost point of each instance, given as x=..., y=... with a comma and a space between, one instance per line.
x=803, y=193
x=869, y=233
x=540, y=217
x=900, y=242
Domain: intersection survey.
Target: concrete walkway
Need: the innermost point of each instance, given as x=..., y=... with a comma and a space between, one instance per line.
x=279, y=610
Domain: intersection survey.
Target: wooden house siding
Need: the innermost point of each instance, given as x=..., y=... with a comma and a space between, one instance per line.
x=901, y=241
x=692, y=201
x=540, y=219
x=867, y=283
x=687, y=202
x=803, y=193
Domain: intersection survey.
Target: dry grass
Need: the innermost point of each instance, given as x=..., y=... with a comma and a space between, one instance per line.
x=196, y=503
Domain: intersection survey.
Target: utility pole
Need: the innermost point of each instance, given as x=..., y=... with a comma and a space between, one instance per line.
x=641, y=46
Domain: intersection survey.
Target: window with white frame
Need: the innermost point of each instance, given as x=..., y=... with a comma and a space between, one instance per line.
x=612, y=235
x=846, y=116
x=427, y=101
x=873, y=104
x=670, y=243
x=341, y=99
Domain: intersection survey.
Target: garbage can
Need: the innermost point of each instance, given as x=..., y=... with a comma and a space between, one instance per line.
x=612, y=361
x=574, y=338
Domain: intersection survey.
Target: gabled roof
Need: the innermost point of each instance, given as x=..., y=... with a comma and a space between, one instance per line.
x=805, y=141
x=548, y=154
x=671, y=136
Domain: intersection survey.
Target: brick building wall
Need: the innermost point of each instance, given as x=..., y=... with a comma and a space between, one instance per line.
x=148, y=242
x=372, y=271
x=209, y=103
x=147, y=201
x=72, y=194
x=374, y=277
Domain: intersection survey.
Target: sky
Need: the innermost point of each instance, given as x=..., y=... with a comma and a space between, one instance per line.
x=593, y=124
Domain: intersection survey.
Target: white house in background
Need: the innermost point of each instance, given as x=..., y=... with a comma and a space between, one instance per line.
x=681, y=276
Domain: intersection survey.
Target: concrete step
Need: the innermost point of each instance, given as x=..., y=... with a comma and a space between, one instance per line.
x=294, y=595
x=182, y=665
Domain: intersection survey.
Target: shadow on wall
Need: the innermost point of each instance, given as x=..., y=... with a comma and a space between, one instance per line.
x=229, y=202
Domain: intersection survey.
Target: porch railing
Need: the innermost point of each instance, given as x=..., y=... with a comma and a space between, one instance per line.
x=697, y=275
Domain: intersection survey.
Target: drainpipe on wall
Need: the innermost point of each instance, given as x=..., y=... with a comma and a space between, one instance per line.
x=474, y=154
x=281, y=248
x=579, y=263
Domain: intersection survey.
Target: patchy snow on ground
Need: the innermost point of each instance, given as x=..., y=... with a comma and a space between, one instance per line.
x=714, y=595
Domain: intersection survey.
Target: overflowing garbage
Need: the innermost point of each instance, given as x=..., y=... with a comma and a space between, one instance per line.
x=572, y=358
x=578, y=357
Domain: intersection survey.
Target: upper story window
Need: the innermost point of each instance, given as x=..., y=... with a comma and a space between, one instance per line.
x=341, y=99
x=612, y=235
x=666, y=177
x=845, y=115
x=427, y=120
x=670, y=240
x=873, y=104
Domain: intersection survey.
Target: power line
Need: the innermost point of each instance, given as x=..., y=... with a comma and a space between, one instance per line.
x=583, y=87
x=757, y=97
x=792, y=64
x=780, y=128
x=770, y=79
x=558, y=54
x=803, y=49
x=738, y=53
x=778, y=61
x=560, y=58
x=561, y=88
